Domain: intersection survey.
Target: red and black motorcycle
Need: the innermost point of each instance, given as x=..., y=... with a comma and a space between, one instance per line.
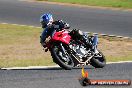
x=68, y=51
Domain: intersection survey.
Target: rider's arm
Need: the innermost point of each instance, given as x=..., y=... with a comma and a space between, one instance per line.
x=60, y=24
x=64, y=25
x=43, y=36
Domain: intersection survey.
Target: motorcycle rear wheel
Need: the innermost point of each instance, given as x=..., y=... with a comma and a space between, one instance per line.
x=59, y=60
x=98, y=61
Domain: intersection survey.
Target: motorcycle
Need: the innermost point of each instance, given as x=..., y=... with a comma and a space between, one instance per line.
x=68, y=51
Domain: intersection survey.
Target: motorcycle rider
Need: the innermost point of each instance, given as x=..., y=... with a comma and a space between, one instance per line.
x=49, y=25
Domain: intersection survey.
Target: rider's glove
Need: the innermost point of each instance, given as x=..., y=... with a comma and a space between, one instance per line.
x=66, y=26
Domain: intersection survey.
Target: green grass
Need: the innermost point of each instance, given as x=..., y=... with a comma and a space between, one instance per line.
x=119, y=58
x=19, y=46
x=25, y=62
x=14, y=34
x=104, y=3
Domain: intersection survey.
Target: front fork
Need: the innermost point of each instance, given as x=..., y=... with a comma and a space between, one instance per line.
x=64, y=51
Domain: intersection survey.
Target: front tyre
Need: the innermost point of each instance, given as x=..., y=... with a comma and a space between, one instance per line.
x=63, y=60
x=98, y=61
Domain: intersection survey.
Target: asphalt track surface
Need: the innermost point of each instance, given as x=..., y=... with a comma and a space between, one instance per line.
x=112, y=22
x=59, y=78
x=87, y=19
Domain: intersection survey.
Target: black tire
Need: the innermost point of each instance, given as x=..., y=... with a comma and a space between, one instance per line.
x=57, y=59
x=98, y=62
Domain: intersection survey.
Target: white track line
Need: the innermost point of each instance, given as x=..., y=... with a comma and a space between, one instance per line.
x=31, y=67
x=55, y=66
x=119, y=62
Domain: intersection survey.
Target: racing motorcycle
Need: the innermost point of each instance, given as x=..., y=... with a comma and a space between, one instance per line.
x=69, y=51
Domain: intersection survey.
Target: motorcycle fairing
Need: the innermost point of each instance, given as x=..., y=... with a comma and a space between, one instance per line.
x=62, y=36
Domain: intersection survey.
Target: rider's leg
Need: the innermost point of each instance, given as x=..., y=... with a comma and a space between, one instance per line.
x=95, y=42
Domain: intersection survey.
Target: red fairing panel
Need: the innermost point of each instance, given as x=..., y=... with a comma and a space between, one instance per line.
x=62, y=36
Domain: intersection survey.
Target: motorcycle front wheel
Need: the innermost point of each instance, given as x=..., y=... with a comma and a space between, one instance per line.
x=62, y=59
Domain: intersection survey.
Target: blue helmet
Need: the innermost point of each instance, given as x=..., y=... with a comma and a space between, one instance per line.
x=46, y=19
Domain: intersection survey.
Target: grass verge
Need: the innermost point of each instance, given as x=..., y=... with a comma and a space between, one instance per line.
x=19, y=46
x=104, y=3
